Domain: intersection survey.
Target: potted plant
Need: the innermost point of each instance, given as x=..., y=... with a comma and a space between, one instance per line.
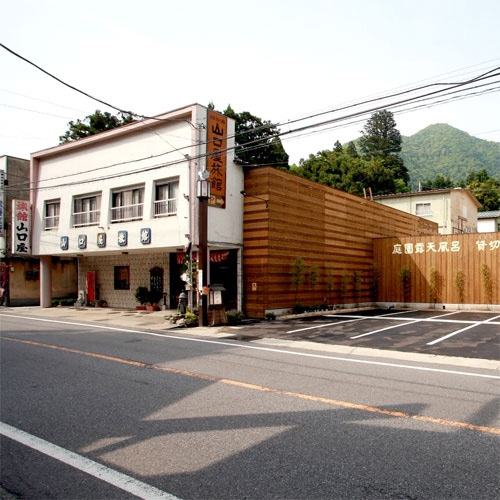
x=154, y=297
x=142, y=296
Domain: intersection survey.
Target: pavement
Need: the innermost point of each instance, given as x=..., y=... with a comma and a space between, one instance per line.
x=158, y=321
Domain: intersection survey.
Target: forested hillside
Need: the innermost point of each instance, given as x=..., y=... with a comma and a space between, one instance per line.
x=443, y=149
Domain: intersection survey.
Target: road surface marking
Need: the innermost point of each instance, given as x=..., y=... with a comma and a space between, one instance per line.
x=322, y=326
x=387, y=328
x=245, y=385
x=111, y=476
x=452, y=334
x=259, y=348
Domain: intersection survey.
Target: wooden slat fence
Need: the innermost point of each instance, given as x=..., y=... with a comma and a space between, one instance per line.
x=328, y=228
x=448, y=269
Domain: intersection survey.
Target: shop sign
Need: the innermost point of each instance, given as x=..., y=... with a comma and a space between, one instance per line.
x=440, y=247
x=21, y=227
x=217, y=158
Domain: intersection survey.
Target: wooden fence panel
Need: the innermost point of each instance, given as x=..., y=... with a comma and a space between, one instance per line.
x=455, y=258
x=328, y=228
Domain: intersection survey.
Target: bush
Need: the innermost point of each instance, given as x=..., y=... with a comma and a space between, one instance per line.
x=141, y=295
x=298, y=309
x=234, y=317
x=270, y=316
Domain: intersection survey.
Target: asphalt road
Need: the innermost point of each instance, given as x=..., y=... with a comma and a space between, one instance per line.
x=222, y=419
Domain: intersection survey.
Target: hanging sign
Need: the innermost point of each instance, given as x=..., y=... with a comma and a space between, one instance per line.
x=21, y=227
x=216, y=158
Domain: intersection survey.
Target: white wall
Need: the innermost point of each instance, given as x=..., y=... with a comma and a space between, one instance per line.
x=487, y=225
x=105, y=162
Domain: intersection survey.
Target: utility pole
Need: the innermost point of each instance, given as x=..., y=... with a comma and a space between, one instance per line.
x=203, y=194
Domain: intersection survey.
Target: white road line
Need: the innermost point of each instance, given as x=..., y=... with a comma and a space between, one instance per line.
x=383, y=329
x=447, y=314
x=491, y=319
x=322, y=326
x=454, y=333
x=392, y=314
x=281, y=351
x=118, y=479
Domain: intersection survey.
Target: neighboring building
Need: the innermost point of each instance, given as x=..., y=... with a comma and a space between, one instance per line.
x=454, y=209
x=488, y=222
x=124, y=203
x=19, y=271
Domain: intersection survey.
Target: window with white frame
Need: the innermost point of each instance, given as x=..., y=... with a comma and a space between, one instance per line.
x=127, y=204
x=51, y=214
x=166, y=198
x=86, y=210
x=423, y=209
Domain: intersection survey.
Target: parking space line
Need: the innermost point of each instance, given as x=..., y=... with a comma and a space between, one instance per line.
x=477, y=323
x=391, y=314
x=327, y=324
x=453, y=333
x=441, y=315
x=491, y=319
x=388, y=328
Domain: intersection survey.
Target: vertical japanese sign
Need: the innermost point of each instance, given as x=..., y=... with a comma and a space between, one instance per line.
x=216, y=158
x=21, y=227
x=2, y=184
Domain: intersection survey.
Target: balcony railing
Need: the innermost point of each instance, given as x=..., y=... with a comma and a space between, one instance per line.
x=165, y=207
x=51, y=222
x=127, y=213
x=89, y=218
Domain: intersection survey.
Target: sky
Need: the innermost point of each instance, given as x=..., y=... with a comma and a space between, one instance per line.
x=279, y=59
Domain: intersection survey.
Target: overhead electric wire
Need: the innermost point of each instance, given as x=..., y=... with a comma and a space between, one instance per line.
x=202, y=155
x=111, y=176
x=248, y=146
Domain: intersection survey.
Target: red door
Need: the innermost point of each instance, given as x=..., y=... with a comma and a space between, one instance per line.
x=91, y=286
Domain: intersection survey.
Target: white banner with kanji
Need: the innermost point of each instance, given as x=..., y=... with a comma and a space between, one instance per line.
x=21, y=227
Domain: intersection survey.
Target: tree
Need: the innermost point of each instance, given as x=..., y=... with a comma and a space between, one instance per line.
x=486, y=189
x=93, y=124
x=381, y=139
x=380, y=135
x=337, y=147
x=257, y=140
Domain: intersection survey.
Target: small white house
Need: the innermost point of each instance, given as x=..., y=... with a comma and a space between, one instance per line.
x=124, y=202
x=488, y=222
x=453, y=209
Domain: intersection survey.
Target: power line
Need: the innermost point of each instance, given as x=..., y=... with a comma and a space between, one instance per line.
x=248, y=146
x=204, y=155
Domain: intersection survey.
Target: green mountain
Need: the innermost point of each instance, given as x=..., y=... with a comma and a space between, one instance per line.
x=443, y=149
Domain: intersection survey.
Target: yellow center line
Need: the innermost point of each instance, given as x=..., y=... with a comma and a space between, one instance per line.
x=245, y=385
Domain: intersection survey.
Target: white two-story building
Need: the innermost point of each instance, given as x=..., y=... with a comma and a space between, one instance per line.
x=124, y=202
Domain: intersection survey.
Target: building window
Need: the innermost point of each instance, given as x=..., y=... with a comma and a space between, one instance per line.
x=51, y=216
x=122, y=278
x=86, y=210
x=423, y=209
x=127, y=205
x=166, y=198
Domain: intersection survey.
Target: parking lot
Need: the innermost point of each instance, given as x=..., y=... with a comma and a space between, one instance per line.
x=448, y=333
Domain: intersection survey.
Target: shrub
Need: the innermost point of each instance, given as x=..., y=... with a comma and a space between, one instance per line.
x=270, y=316
x=298, y=309
x=234, y=317
x=141, y=295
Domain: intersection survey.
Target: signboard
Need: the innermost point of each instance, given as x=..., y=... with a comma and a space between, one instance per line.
x=216, y=158
x=21, y=227
x=440, y=247
x=2, y=183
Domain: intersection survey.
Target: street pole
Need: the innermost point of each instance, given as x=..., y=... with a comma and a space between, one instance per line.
x=203, y=261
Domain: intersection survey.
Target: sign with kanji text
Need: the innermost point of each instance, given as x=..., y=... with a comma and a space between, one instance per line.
x=216, y=158
x=21, y=227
